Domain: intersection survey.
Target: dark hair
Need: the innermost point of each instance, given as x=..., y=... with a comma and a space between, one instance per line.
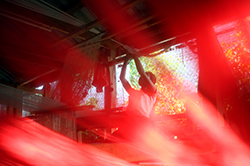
x=151, y=76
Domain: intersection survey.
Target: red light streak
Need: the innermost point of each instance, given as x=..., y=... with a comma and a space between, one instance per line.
x=25, y=141
x=30, y=143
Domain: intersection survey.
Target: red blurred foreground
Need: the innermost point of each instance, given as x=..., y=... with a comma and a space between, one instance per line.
x=24, y=142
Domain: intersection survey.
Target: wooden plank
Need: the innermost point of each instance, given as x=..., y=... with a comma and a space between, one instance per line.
x=28, y=81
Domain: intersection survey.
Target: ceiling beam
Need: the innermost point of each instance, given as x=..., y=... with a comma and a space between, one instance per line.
x=26, y=16
x=134, y=27
x=84, y=44
x=97, y=22
x=75, y=8
x=35, y=78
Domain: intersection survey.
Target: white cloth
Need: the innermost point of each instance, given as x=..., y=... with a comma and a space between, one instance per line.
x=140, y=103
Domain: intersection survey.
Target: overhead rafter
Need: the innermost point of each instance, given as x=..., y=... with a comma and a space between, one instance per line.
x=133, y=27
x=97, y=22
x=75, y=8
x=24, y=15
x=48, y=72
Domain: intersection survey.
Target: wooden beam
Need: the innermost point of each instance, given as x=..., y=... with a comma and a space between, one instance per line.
x=130, y=28
x=48, y=72
x=84, y=44
x=116, y=61
x=97, y=22
x=18, y=13
x=75, y=8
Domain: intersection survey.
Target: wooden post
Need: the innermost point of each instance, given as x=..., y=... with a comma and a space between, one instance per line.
x=110, y=91
x=46, y=90
x=113, y=79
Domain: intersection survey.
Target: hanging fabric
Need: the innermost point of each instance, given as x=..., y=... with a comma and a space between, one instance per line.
x=101, y=76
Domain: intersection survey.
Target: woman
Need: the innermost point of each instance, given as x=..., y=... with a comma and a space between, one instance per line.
x=141, y=102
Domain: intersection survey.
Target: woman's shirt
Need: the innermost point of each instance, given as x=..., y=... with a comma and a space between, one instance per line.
x=140, y=103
